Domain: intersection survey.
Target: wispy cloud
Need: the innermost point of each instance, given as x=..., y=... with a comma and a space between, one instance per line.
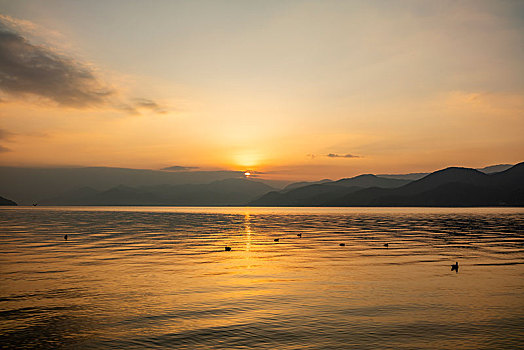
x=336, y=155
x=40, y=70
x=332, y=155
x=140, y=104
x=180, y=168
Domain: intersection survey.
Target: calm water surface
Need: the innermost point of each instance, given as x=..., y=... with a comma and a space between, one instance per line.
x=137, y=277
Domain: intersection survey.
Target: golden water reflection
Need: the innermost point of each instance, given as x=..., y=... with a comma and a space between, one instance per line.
x=157, y=279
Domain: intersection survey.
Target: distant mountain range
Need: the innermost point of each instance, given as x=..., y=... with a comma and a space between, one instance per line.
x=119, y=186
x=416, y=176
x=448, y=187
x=318, y=194
x=29, y=185
x=222, y=192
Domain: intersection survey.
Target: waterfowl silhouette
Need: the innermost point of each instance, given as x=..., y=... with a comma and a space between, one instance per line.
x=299, y=234
x=386, y=245
x=342, y=244
x=228, y=249
x=65, y=237
x=276, y=239
x=455, y=267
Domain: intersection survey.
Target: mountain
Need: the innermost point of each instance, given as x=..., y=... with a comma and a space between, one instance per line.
x=5, y=201
x=29, y=185
x=308, y=196
x=453, y=186
x=370, y=180
x=495, y=168
x=223, y=192
x=319, y=194
x=417, y=176
x=305, y=183
x=410, y=176
x=447, y=187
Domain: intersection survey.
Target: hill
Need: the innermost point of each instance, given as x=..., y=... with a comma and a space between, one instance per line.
x=222, y=192
x=29, y=185
x=447, y=187
x=319, y=194
x=417, y=176
x=304, y=183
x=5, y=201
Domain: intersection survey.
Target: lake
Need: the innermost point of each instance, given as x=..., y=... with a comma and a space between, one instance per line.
x=159, y=277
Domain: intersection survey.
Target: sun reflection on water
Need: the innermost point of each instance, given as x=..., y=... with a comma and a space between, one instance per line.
x=160, y=277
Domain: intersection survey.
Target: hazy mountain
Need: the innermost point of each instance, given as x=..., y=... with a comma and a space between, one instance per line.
x=321, y=193
x=121, y=186
x=447, y=187
x=305, y=183
x=370, y=180
x=410, y=176
x=5, y=201
x=179, y=168
x=311, y=195
x=416, y=176
x=222, y=192
x=495, y=168
x=29, y=185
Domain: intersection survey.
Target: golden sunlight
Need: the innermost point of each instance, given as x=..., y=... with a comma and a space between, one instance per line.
x=247, y=159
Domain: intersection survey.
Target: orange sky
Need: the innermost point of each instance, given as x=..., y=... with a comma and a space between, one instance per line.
x=294, y=89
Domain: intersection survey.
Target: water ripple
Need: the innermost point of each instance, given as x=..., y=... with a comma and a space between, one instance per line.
x=160, y=278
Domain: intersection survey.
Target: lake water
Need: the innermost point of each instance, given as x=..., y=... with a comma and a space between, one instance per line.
x=159, y=277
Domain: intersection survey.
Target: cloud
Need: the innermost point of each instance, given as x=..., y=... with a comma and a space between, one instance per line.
x=39, y=70
x=30, y=69
x=139, y=104
x=335, y=155
x=179, y=168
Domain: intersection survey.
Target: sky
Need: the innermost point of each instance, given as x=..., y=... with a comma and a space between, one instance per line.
x=299, y=90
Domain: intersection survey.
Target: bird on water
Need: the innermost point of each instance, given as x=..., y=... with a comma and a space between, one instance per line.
x=342, y=244
x=65, y=237
x=386, y=245
x=228, y=249
x=455, y=267
x=276, y=239
x=299, y=234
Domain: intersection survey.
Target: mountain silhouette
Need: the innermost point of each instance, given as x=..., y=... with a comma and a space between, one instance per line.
x=495, y=168
x=448, y=187
x=222, y=192
x=454, y=186
x=5, y=201
x=417, y=176
x=304, y=183
x=309, y=196
x=29, y=185
x=370, y=180
x=320, y=194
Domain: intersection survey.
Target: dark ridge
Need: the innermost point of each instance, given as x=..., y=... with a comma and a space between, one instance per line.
x=451, y=187
x=5, y=201
x=320, y=194
x=222, y=192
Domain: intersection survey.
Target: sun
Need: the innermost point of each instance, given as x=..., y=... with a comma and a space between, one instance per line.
x=247, y=174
